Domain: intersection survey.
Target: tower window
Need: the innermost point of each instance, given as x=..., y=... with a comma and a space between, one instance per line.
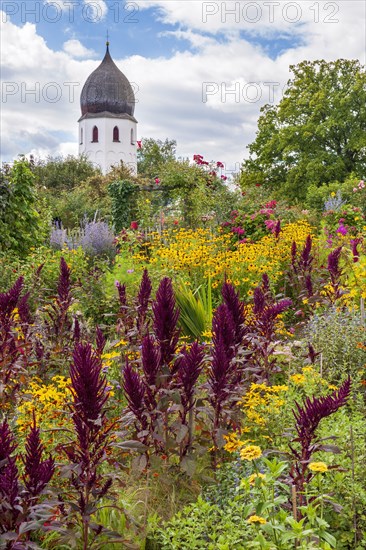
x=95, y=135
x=115, y=133
x=81, y=136
x=132, y=137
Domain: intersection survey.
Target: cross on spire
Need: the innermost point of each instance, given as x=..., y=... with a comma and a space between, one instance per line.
x=107, y=38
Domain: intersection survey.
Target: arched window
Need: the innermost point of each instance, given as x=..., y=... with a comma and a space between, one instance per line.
x=132, y=137
x=81, y=136
x=115, y=133
x=95, y=135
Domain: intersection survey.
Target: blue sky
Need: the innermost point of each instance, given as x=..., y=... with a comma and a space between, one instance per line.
x=203, y=69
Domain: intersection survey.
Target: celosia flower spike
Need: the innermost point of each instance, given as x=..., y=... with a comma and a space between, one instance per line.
x=9, y=300
x=150, y=355
x=37, y=472
x=189, y=369
x=236, y=309
x=166, y=316
x=64, y=283
x=135, y=392
x=143, y=298
x=333, y=264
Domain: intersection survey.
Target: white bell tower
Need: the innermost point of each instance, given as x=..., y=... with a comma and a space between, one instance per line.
x=107, y=127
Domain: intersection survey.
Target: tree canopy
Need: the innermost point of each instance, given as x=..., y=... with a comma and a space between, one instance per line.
x=317, y=132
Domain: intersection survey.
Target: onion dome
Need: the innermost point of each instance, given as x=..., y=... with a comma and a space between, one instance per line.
x=107, y=90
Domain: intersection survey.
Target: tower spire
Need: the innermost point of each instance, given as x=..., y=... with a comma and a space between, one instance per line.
x=107, y=43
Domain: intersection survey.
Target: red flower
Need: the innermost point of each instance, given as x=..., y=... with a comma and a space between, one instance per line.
x=139, y=144
x=224, y=178
x=176, y=222
x=219, y=164
x=134, y=225
x=157, y=181
x=257, y=184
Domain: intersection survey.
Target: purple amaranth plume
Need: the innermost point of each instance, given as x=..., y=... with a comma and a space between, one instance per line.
x=277, y=229
x=134, y=389
x=143, y=299
x=9, y=301
x=265, y=285
x=9, y=485
x=189, y=369
x=121, y=294
x=89, y=450
x=333, y=265
x=308, y=417
x=223, y=376
x=309, y=286
x=259, y=300
x=77, y=333
x=190, y=365
x=24, y=311
x=100, y=341
x=312, y=354
x=306, y=259
x=151, y=360
x=270, y=314
x=354, y=244
x=61, y=323
x=124, y=319
x=64, y=285
x=294, y=256
x=223, y=330
x=165, y=321
x=37, y=473
x=88, y=385
x=236, y=309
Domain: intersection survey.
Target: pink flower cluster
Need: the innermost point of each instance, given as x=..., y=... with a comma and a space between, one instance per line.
x=360, y=186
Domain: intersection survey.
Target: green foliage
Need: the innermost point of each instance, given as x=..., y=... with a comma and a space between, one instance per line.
x=202, y=525
x=21, y=224
x=193, y=193
x=226, y=524
x=153, y=154
x=340, y=354
x=317, y=196
x=316, y=134
x=195, y=310
x=59, y=173
x=124, y=203
x=84, y=201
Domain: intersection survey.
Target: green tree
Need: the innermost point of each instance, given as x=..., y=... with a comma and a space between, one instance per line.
x=21, y=224
x=59, y=173
x=124, y=203
x=153, y=154
x=195, y=192
x=317, y=132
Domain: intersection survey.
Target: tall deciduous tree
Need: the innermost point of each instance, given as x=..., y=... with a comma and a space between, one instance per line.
x=21, y=224
x=317, y=132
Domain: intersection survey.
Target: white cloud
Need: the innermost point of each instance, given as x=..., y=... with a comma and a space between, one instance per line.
x=98, y=9
x=202, y=98
x=75, y=48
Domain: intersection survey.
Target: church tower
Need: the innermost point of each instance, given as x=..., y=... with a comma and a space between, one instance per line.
x=107, y=127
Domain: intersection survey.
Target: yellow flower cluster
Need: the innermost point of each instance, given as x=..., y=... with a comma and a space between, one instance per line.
x=251, y=452
x=260, y=403
x=203, y=254
x=233, y=443
x=254, y=477
x=318, y=467
x=256, y=519
x=49, y=404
